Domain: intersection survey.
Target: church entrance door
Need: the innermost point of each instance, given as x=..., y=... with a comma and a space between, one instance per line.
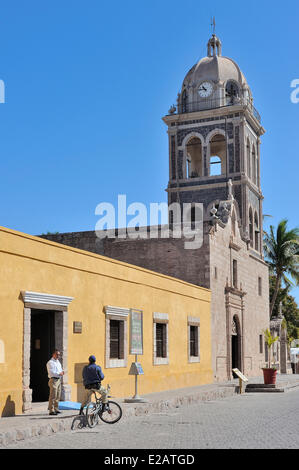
x=236, y=346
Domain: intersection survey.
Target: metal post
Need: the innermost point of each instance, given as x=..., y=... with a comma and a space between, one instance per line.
x=136, y=381
x=241, y=386
x=136, y=398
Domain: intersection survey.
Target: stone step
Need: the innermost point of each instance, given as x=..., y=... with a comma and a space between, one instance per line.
x=261, y=386
x=264, y=390
x=278, y=388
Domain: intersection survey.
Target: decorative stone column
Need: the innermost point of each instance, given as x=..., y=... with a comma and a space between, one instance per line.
x=258, y=169
x=276, y=329
x=61, y=335
x=283, y=350
x=27, y=392
x=234, y=301
x=206, y=157
x=242, y=145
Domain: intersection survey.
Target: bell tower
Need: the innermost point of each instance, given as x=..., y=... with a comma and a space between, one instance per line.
x=214, y=143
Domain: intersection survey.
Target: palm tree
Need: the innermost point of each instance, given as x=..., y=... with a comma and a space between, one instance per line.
x=282, y=254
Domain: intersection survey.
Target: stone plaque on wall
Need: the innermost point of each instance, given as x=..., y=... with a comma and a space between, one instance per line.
x=77, y=327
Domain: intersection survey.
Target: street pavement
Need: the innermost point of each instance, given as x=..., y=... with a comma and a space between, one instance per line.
x=249, y=421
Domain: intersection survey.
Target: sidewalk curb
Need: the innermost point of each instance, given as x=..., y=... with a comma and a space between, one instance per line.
x=63, y=424
x=176, y=402
x=259, y=388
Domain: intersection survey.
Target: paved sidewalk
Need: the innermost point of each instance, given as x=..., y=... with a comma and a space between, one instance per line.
x=37, y=422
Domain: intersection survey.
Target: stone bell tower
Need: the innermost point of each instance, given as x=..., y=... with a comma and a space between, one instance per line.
x=214, y=141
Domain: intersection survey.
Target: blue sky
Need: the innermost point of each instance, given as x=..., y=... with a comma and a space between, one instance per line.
x=88, y=82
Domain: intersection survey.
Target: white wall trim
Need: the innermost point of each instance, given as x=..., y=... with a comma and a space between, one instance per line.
x=160, y=317
x=49, y=299
x=119, y=311
x=194, y=321
x=120, y=316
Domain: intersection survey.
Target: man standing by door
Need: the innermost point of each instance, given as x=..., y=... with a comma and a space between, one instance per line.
x=55, y=374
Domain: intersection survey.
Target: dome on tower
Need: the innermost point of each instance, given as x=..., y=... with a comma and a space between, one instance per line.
x=215, y=81
x=217, y=69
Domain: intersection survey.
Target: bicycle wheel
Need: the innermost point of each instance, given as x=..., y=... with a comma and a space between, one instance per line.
x=92, y=415
x=112, y=414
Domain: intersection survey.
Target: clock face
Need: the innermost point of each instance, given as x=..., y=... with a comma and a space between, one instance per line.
x=205, y=90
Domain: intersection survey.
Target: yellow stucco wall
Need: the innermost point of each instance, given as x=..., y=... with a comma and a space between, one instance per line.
x=32, y=264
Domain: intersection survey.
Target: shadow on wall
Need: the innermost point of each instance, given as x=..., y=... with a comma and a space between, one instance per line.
x=9, y=408
x=79, y=381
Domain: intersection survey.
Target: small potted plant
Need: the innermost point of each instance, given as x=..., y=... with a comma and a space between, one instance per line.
x=270, y=373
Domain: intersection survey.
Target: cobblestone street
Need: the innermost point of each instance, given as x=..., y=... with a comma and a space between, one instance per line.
x=256, y=421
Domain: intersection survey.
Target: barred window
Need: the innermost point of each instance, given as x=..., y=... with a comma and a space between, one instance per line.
x=116, y=339
x=116, y=327
x=194, y=341
x=161, y=340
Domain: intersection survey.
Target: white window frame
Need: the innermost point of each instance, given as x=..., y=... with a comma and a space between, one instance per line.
x=194, y=321
x=120, y=314
x=160, y=318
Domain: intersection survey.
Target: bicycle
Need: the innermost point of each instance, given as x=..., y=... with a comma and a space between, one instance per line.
x=109, y=413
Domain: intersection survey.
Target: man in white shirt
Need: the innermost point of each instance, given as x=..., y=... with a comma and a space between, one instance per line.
x=55, y=374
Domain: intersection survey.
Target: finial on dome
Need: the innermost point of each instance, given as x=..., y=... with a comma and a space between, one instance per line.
x=213, y=25
x=214, y=44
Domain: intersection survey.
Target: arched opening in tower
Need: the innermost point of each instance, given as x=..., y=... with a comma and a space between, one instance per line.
x=232, y=92
x=194, y=158
x=251, y=227
x=256, y=232
x=217, y=155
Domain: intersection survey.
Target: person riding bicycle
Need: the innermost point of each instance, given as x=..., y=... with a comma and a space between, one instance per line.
x=92, y=378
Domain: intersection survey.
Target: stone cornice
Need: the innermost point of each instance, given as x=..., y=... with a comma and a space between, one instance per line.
x=117, y=311
x=234, y=291
x=234, y=245
x=226, y=112
x=260, y=260
x=47, y=299
x=204, y=114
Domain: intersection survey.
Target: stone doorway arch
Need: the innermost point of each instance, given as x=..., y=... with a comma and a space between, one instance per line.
x=234, y=329
x=58, y=305
x=236, y=356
